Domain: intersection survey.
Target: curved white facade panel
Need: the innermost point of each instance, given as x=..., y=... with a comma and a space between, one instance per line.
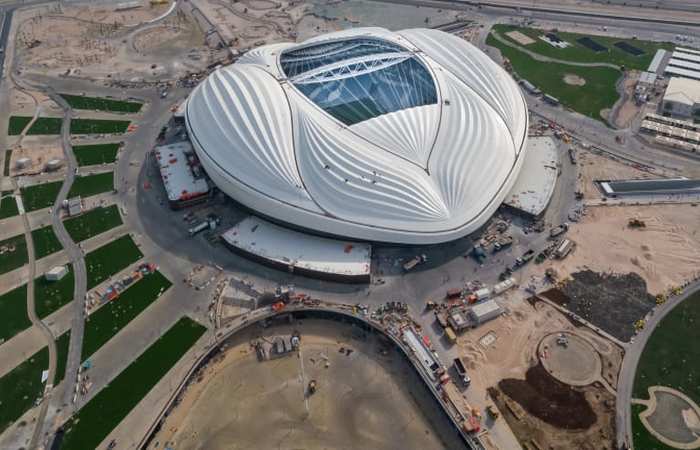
x=412, y=137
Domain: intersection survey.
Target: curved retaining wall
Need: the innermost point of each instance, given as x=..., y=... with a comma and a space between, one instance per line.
x=330, y=311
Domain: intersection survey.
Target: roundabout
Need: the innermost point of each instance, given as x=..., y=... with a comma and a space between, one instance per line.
x=570, y=359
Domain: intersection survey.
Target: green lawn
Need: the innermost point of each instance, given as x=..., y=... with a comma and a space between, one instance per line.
x=102, y=104
x=6, y=168
x=20, y=387
x=88, y=155
x=92, y=223
x=8, y=205
x=98, y=126
x=40, y=195
x=45, y=242
x=671, y=357
x=13, y=311
x=62, y=344
x=577, y=52
x=43, y=125
x=110, y=259
x=17, y=124
x=86, y=186
x=107, y=321
x=100, y=415
x=642, y=439
x=597, y=94
x=13, y=253
x=50, y=296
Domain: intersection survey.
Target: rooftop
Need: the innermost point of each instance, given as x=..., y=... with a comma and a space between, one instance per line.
x=683, y=90
x=534, y=186
x=176, y=162
x=301, y=250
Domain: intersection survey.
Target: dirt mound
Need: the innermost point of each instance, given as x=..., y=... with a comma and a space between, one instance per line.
x=551, y=401
x=612, y=302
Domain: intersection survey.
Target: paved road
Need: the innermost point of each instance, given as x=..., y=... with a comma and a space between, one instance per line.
x=634, y=351
x=36, y=322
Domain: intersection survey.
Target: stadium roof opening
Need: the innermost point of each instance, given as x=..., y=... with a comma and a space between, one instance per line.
x=357, y=79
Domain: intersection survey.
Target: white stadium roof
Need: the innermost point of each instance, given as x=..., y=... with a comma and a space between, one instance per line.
x=406, y=137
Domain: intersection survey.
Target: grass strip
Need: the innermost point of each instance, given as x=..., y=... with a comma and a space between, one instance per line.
x=86, y=186
x=50, y=296
x=92, y=154
x=40, y=196
x=102, y=104
x=98, y=126
x=13, y=253
x=45, y=242
x=92, y=223
x=8, y=205
x=112, y=404
x=109, y=259
x=13, y=311
x=107, y=321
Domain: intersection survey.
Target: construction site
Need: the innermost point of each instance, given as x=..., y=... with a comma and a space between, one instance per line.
x=341, y=386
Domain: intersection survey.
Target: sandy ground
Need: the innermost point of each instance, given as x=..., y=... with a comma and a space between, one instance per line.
x=364, y=400
x=520, y=38
x=665, y=253
x=505, y=348
x=40, y=149
x=629, y=109
x=574, y=80
x=25, y=103
x=594, y=167
x=96, y=42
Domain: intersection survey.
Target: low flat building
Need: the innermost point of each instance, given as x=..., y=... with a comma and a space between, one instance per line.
x=682, y=97
x=535, y=184
x=301, y=253
x=56, y=273
x=182, y=175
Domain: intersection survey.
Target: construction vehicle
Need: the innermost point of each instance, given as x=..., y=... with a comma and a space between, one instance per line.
x=562, y=340
x=636, y=223
x=461, y=369
x=450, y=335
x=415, y=261
x=561, y=229
x=525, y=258
x=311, y=388
x=493, y=412
x=503, y=242
x=661, y=299
x=453, y=293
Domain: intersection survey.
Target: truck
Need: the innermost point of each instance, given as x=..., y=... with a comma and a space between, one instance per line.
x=413, y=262
x=453, y=293
x=502, y=242
x=461, y=369
x=503, y=286
x=564, y=248
x=561, y=229
x=525, y=258
x=482, y=294
x=572, y=156
x=450, y=335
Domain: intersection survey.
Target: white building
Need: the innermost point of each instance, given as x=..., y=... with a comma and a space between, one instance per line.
x=682, y=97
x=56, y=273
x=411, y=137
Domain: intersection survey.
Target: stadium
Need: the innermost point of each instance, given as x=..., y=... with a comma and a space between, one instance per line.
x=408, y=137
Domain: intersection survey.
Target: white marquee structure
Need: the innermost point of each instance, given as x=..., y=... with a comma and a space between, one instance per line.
x=408, y=137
